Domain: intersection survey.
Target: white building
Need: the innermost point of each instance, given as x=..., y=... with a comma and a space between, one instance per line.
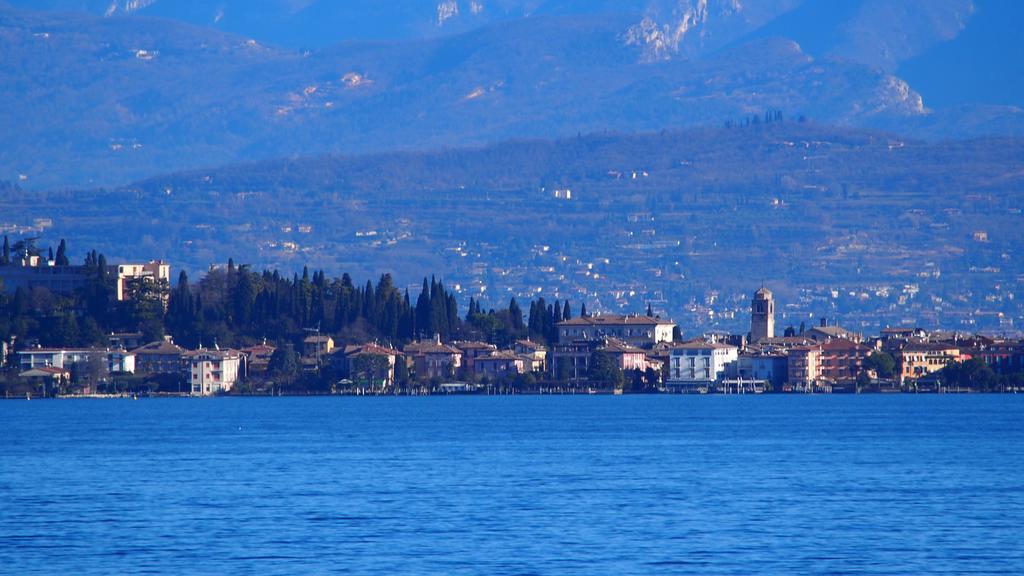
x=152, y=271
x=696, y=363
x=113, y=360
x=213, y=371
x=642, y=331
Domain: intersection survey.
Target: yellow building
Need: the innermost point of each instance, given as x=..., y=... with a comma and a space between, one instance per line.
x=923, y=358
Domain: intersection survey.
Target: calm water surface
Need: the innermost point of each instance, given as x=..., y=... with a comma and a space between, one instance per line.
x=514, y=485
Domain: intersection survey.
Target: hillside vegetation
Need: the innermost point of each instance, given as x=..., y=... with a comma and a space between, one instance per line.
x=860, y=225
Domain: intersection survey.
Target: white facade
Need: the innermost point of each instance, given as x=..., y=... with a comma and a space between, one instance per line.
x=213, y=371
x=116, y=360
x=153, y=271
x=700, y=362
x=640, y=331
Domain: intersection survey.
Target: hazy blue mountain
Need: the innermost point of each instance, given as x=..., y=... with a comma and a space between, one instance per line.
x=318, y=23
x=90, y=99
x=105, y=100
x=984, y=63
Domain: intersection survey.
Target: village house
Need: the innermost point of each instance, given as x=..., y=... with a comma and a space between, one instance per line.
x=536, y=355
x=48, y=379
x=161, y=357
x=473, y=350
x=317, y=346
x=213, y=371
x=498, y=364
x=432, y=359
x=918, y=359
x=368, y=363
x=626, y=357
x=257, y=358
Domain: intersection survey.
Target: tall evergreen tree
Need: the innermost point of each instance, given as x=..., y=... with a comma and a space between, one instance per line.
x=516, y=316
x=62, y=254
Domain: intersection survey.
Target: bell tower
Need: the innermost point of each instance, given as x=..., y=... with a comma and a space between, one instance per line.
x=762, y=315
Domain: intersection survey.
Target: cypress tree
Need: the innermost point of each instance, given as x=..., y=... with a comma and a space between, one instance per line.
x=423, y=326
x=516, y=315
x=5, y=257
x=62, y=254
x=566, y=311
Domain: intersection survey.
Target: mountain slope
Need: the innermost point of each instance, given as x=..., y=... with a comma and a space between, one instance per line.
x=859, y=224
x=107, y=100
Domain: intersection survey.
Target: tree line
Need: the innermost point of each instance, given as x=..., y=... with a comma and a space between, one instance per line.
x=235, y=306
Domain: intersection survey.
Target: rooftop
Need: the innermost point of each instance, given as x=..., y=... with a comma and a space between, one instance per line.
x=429, y=347
x=700, y=345
x=616, y=320
x=374, y=349
x=160, y=347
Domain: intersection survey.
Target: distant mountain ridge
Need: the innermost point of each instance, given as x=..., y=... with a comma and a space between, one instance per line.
x=89, y=99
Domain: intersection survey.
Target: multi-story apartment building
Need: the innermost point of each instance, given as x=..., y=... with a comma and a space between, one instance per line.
x=804, y=365
x=697, y=363
x=213, y=371
x=842, y=360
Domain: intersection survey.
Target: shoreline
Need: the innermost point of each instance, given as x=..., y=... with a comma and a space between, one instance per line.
x=582, y=393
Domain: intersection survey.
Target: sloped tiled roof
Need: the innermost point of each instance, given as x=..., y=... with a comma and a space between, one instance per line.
x=160, y=347
x=429, y=347
x=371, y=348
x=614, y=320
x=619, y=347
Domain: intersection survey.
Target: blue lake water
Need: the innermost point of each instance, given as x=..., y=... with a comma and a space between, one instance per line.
x=514, y=485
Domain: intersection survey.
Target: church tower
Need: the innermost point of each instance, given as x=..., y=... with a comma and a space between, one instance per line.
x=762, y=315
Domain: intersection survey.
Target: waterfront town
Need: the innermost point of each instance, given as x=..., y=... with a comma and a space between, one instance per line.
x=103, y=329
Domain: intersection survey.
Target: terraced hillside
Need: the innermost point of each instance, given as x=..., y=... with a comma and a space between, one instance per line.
x=860, y=226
